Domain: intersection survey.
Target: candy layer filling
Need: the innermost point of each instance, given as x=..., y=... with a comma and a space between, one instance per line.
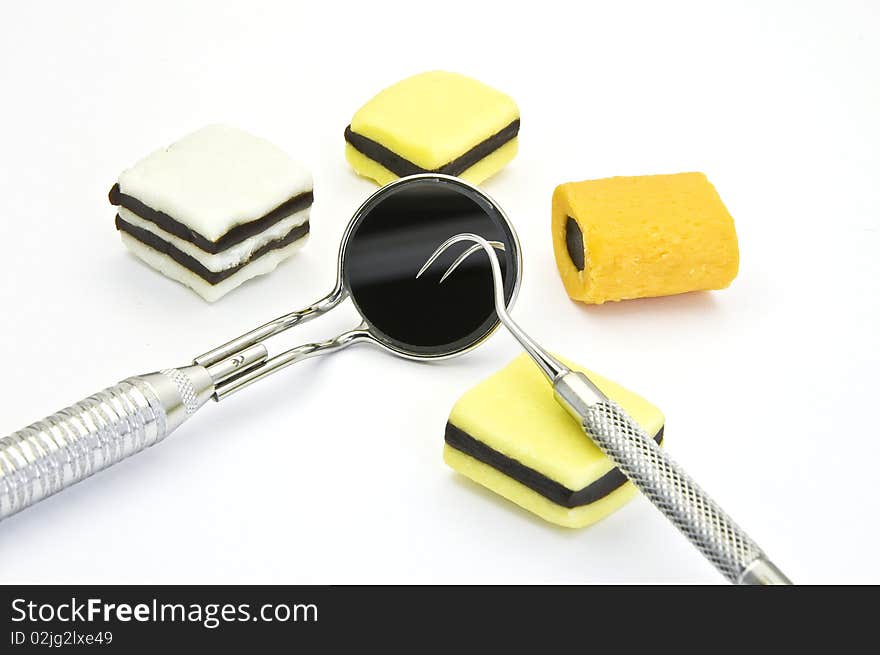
x=550, y=489
x=401, y=166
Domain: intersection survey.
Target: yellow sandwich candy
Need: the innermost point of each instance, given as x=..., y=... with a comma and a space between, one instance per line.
x=436, y=122
x=636, y=237
x=509, y=434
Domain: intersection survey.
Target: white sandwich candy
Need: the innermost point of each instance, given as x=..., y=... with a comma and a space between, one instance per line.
x=215, y=209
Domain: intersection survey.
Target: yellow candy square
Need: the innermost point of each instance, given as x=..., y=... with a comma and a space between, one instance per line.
x=510, y=435
x=433, y=122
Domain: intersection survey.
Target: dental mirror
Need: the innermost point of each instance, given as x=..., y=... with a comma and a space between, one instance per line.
x=385, y=244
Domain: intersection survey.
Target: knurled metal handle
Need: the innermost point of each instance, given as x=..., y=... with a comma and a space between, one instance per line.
x=664, y=482
x=667, y=486
x=69, y=446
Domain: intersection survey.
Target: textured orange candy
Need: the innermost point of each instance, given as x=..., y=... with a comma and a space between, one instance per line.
x=637, y=237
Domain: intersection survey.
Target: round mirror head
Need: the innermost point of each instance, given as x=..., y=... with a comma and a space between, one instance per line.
x=389, y=239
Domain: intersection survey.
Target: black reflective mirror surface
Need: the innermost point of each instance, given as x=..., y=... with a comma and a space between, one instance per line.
x=391, y=238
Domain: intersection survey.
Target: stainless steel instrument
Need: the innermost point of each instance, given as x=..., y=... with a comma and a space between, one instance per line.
x=622, y=440
x=384, y=244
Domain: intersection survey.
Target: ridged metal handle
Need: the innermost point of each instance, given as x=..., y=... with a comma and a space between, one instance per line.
x=667, y=486
x=59, y=451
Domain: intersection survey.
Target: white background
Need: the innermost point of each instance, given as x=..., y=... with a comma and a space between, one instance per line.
x=331, y=472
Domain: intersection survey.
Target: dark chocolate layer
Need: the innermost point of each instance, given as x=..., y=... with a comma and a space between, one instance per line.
x=194, y=265
x=402, y=167
x=538, y=482
x=233, y=237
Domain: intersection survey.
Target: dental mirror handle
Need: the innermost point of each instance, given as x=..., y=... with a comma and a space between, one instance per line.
x=52, y=454
x=97, y=432
x=665, y=484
